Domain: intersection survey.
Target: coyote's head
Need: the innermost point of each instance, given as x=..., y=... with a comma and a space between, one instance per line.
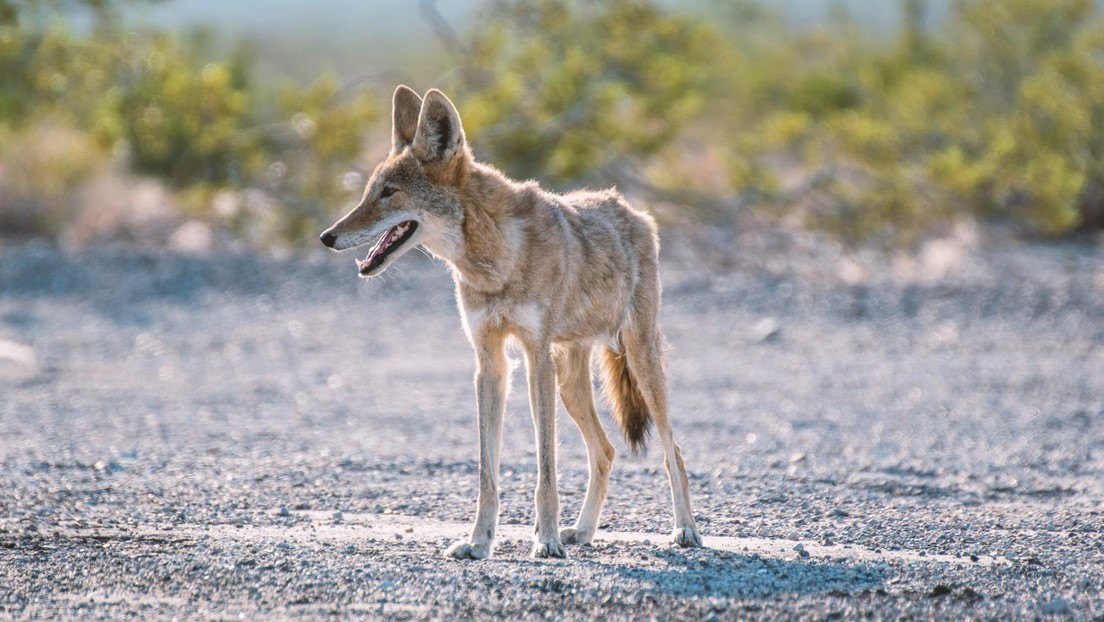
x=413, y=197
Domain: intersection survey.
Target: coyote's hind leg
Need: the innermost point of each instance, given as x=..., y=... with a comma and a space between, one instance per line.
x=577, y=394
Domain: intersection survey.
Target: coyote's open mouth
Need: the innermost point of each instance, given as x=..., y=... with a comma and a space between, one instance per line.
x=390, y=242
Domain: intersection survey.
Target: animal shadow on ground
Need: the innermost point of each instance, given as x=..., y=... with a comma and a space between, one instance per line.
x=722, y=574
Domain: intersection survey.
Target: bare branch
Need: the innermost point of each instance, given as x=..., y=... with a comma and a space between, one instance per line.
x=444, y=30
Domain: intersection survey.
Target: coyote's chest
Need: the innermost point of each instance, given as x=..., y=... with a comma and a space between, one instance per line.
x=580, y=317
x=524, y=320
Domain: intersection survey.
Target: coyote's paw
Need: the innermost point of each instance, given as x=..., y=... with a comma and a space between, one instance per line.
x=687, y=537
x=548, y=549
x=466, y=550
x=571, y=535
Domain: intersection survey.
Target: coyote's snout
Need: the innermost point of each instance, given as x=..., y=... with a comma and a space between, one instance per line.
x=561, y=274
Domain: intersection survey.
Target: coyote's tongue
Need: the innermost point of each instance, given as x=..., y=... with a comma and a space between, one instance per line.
x=390, y=241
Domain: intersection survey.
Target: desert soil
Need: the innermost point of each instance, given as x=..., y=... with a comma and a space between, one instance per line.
x=234, y=435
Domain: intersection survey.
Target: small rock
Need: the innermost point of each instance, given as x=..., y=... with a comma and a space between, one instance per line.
x=801, y=552
x=940, y=590
x=284, y=511
x=17, y=361
x=351, y=548
x=766, y=330
x=337, y=516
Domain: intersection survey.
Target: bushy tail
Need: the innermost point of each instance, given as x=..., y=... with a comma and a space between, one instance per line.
x=624, y=396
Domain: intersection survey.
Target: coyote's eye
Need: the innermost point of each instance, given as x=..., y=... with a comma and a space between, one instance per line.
x=388, y=191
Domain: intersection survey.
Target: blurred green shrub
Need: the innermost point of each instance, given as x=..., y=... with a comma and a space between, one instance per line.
x=564, y=91
x=998, y=113
x=314, y=174
x=182, y=121
x=46, y=83
x=203, y=127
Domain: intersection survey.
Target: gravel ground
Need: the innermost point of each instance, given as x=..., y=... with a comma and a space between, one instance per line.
x=234, y=435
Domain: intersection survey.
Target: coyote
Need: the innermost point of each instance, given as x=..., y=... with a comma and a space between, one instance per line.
x=557, y=273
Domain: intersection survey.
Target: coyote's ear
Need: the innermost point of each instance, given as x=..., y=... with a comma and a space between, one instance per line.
x=405, y=105
x=440, y=136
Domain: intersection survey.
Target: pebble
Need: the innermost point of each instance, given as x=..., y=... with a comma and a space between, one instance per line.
x=766, y=330
x=939, y=590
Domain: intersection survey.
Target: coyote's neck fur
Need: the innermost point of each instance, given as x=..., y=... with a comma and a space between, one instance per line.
x=485, y=255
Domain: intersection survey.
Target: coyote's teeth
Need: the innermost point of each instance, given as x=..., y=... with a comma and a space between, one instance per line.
x=386, y=244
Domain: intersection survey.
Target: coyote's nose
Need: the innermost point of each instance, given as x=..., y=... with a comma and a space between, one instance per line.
x=329, y=238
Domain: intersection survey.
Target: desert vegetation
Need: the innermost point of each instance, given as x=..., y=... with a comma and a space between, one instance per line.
x=986, y=110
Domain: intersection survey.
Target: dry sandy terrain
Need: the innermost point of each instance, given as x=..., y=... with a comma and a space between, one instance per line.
x=239, y=436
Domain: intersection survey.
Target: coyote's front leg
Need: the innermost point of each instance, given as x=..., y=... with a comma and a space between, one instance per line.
x=490, y=398
x=542, y=396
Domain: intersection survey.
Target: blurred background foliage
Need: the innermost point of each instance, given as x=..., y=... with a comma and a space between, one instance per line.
x=565, y=91
x=986, y=110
